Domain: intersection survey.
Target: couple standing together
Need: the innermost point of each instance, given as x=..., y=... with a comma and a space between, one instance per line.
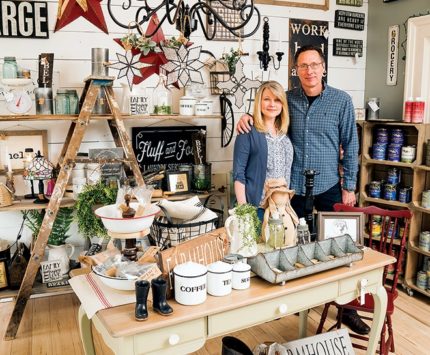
x=304, y=129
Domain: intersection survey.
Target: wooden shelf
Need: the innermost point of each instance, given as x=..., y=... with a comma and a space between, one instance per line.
x=411, y=284
x=377, y=239
x=384, y=202
x=100, y=117
x=417, y=207
x=423, y=167
x=39, y=290
x=413, y=246
x=368, y=160
x=21, y=204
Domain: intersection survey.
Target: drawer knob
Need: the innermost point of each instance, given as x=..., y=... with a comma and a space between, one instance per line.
x=174, y=339
x=283, y=308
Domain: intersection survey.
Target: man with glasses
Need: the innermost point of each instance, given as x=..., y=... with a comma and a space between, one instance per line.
x=321, y=122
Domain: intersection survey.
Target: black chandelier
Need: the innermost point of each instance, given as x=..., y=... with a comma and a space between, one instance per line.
x=186, y=18
x=263, y=56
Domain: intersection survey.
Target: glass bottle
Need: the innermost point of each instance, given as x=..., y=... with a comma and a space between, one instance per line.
x=276, y=231
x=10, y=68
x=62, y=103
x=162, y=98
x=73, y=101
x=303, y=235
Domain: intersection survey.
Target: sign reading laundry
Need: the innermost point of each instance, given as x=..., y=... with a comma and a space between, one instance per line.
x=165, y=145
x=24, y=19
x=349, y=20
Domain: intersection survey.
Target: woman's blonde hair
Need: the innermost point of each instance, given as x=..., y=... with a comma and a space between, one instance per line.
x=283, y=119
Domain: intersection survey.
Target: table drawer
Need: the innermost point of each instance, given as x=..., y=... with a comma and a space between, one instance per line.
x=351, y=285
x=163, y=340
x=247, y=316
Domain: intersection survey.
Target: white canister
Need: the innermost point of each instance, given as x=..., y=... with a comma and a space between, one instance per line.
x=219, y=278
x=190, y=283
x=186, y=105
x=201, y=109
x=209, y=106
x=241, y=279
x=408, y=153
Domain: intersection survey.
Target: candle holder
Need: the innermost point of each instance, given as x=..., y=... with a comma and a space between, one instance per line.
x=263, y=56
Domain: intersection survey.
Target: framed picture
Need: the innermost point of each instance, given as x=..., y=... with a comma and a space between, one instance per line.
x=14, y=143
x=177, y=182
x=310, y=4
x=334, y=224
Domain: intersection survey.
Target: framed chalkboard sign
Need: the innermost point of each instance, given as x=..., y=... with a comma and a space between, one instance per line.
x=155, y=146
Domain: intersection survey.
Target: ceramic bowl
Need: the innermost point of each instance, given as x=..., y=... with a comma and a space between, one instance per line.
x=113, y=222
x=116, y=282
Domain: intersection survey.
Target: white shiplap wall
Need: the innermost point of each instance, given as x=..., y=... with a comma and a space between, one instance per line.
x=72, y=48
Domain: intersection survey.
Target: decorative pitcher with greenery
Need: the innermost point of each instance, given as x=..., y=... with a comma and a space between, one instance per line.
x=243, y=228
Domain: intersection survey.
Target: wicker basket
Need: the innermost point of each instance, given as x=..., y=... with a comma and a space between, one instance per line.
x=5, y=196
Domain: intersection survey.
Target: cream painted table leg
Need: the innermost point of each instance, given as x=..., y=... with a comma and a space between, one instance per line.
x=380, y=309
x=86, y=332
x=303, y=323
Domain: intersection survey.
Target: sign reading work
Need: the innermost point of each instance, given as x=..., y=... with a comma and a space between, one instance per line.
x=347, y=47
x=24, y=19
x=334, y=343
x=349, y=20
x=154, y=146
x=350, y=2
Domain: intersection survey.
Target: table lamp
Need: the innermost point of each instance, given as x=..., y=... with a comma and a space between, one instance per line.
x=28, y=157
x=40, y=169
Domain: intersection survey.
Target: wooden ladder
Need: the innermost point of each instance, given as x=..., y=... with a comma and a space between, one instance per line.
x=93, y=85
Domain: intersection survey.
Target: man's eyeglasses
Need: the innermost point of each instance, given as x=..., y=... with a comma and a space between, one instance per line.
x=313, y=66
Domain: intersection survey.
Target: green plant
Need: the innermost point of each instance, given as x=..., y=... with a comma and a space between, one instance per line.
x=231, y=59
x=60, y=227
x=172, y=43
x=250, y=211
x=91, y=196
x=144, y=44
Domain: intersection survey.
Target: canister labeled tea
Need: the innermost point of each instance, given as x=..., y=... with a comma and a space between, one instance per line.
x=219, y=278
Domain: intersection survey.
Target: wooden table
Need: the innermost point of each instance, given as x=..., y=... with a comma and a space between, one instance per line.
x=188, y=328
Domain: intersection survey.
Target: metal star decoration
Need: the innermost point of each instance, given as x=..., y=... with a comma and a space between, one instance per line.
x=183, y=66
x=129, y=67
x=238, y=84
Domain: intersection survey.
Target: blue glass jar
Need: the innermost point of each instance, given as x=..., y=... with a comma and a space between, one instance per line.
x=62, y=103
x=10, y=68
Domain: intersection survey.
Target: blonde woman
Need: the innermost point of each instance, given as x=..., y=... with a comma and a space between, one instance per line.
x=266, y=151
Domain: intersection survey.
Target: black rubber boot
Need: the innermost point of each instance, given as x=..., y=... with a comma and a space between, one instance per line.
x=159, y=303
x=234, y=346
x=142, y=290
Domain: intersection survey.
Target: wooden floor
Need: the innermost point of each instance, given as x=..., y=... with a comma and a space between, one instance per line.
x=49, y=326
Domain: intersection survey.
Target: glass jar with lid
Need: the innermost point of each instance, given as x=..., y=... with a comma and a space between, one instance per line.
x=276, y=231
x=73, y=101
x=162, y=98
x=10, y=68
x=62, y=103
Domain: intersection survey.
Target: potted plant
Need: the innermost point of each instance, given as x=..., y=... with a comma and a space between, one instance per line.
x=231, y=59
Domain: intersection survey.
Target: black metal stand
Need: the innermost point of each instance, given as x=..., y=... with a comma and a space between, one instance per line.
x=309, y=203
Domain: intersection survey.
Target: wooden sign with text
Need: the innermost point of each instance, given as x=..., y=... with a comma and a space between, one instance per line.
x=357, y=3
x=347, y=47
x=51, y=271
x=24, y=19
x=349, y=20
x=204, y=249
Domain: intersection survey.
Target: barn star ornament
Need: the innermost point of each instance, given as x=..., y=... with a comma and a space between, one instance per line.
x=183, y=65
x=239, y=84
x=70, y=10
x=129, y=66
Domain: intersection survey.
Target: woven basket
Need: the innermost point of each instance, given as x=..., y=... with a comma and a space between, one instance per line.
x=5, y=196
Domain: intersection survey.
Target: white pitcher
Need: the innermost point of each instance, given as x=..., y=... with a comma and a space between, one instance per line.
x=239, y=234
x=59, y=252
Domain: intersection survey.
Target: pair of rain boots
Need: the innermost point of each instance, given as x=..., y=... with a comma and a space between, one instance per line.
x=159, y=302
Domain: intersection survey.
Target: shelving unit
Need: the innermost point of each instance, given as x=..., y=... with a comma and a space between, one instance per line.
x=414, y=174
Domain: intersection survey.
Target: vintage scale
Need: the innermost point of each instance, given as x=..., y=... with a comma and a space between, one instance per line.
x=18, y=101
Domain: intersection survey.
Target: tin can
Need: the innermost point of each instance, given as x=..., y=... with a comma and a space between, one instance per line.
x=382, y=135
x=390, y=192
x=424, y=241
x=393, y=152
x=418, y=110
x=375, y=189
x=393, y=176
x=99, y=59
x=407, y=117
x=425, y=201
x=408, y=153
x=422, y=279
x=405, y=194
x=379, y=151
x=376, y=226
x=397, y=136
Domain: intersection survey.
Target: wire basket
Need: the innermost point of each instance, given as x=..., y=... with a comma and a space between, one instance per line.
x=166, y=234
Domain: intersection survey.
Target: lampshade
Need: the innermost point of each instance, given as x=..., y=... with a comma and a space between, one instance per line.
x=39, y=168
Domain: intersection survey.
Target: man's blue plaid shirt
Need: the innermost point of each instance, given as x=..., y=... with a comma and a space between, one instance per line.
x=316, y=133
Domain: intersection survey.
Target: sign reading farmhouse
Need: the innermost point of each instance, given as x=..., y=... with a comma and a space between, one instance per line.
x=164, y=145
x=347, y=47
x=24, y=19
x=349, y=20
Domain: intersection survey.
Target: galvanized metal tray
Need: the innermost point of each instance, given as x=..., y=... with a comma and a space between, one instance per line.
x=281, y=265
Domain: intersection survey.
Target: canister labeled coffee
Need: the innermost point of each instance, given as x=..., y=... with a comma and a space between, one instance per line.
x=190, y=283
